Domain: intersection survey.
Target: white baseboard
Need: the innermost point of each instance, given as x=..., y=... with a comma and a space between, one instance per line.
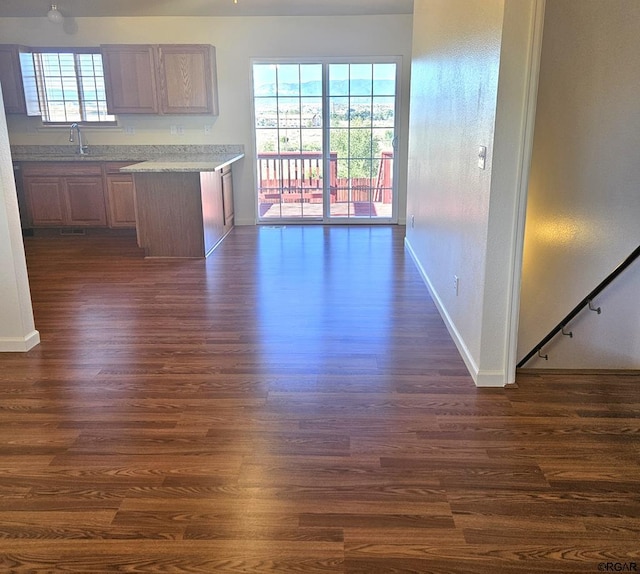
x=19, y=345
x=480, y=378
x=240, y=222
x=491, y=379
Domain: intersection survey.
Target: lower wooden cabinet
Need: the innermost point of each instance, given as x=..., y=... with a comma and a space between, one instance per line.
x=120, y=195
x=84, y=197
x=78, y=194
x=65, y=194
x=45, y=200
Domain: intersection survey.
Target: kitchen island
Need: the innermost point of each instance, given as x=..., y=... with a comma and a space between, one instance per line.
x=184, y=205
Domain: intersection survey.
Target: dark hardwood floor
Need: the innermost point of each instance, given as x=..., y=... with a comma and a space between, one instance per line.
x=293, y=404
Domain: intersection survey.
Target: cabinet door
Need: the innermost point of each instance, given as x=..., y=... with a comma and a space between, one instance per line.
x=211, y=201
x=186, y=74
x=130, y=78
x=227, y=198
x=121, y=201
x=11, y=80
x=45, y=201
x=84, y=198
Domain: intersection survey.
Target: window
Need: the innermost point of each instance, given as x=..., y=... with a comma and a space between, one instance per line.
x=325, y=136
x=66, y=86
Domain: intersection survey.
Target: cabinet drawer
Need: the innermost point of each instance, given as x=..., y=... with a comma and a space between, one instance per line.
x=113, y=167
x=61, y=169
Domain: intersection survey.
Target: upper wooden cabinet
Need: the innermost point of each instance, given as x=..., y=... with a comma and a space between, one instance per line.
x=11, y=79
x=165, y=79
x=187, y=79
x=130, y=79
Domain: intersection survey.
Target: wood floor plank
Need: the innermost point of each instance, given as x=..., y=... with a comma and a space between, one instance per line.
x=198, y=556
x=292, y=404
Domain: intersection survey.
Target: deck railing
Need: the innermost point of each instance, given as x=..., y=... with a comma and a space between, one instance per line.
x=298, y=178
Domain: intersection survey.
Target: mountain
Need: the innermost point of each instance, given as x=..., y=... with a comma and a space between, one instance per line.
x=337, y=88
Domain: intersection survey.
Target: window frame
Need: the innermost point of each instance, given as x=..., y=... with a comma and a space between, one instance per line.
x=326, y=62
x=35, y=94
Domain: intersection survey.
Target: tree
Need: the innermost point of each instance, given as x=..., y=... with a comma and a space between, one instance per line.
x=358, y=144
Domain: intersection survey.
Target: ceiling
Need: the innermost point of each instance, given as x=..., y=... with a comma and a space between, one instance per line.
x=105, y=8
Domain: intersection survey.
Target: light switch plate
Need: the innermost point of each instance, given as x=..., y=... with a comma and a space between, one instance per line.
x=482, y=156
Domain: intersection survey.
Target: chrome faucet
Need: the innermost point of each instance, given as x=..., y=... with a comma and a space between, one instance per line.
x=82, y=149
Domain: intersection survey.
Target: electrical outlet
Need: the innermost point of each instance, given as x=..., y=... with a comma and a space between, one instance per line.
x=129, y=130
x=456, y=284
x=180, y=130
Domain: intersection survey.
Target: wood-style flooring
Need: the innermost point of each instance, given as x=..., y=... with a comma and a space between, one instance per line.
x=293, y=404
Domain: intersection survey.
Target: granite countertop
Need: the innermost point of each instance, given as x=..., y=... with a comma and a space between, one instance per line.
x=190, y=163
x=156, y=157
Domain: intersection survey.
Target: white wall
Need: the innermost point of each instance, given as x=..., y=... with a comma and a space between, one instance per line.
x=17, y=328
x=583, y=215
x=470, y=81
x=237, y=40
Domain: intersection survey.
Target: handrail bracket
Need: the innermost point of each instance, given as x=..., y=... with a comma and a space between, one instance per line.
x=598, y=310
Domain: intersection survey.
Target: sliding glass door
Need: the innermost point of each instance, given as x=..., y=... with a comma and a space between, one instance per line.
x=325, y=140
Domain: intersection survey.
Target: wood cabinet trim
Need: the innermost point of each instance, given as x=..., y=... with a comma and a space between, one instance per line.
x=227, y=198
x=11, y=79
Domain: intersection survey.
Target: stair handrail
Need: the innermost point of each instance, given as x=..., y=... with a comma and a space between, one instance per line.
x=586, y=301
